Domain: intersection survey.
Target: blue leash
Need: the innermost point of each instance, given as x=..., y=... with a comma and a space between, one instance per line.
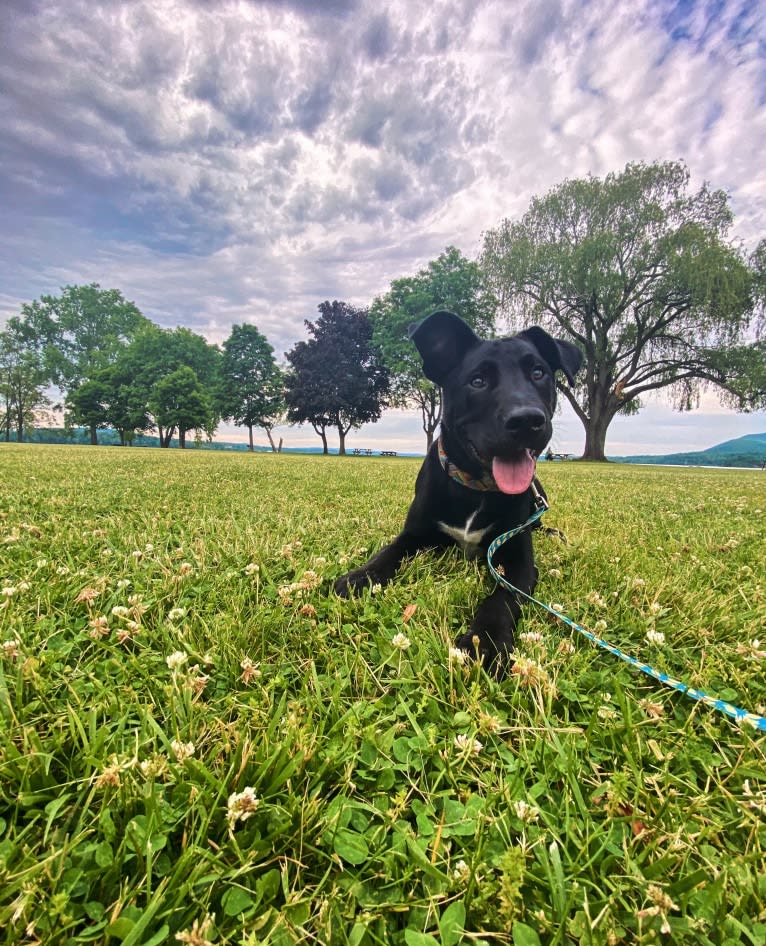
x=735, y=712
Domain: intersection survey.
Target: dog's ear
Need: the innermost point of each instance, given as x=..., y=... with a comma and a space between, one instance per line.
x=560, y=355
x=442, y=340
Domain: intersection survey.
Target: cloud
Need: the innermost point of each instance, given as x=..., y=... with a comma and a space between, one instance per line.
x=244, y=161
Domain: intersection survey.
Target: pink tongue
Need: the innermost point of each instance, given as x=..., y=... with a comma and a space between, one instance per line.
x=514, y=476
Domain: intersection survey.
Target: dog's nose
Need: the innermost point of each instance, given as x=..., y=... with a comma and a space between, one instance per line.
x=528, y=420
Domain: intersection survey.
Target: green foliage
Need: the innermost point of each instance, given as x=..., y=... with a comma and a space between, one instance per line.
x=449, y=282
x=639, y=273
x=22, y=380
x=179, y=402
x=250, y=386
x=338, y=378
x=83, y=329
x=153, y=356
x=398, y=796
x=744, y=368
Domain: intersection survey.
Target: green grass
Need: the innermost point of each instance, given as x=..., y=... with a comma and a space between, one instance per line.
x=401, y=798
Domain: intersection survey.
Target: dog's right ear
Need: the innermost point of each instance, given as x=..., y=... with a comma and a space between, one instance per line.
x=442, y=340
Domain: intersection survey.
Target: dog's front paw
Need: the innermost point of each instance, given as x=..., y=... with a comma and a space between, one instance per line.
x=347, y=584
x=492, y=652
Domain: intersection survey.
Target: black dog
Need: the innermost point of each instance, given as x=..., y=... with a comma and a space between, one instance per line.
x=498, y=398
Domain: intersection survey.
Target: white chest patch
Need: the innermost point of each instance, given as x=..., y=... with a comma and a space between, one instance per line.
x=467, y=537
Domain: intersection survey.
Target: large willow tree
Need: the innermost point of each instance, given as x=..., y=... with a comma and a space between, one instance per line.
x=639, y=271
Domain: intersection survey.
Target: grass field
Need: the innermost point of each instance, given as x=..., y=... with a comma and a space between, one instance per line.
x=201, y=744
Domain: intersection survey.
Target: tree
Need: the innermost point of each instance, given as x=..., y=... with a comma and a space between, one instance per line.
x=179, y=401
x=449, y=282
x=338, y=378
x=22, y=380
x=637, y=271
x=87, y=404
x=154, y=354
x=744, y=368
x=110, y=399
x=250, y=388
x=81, y=331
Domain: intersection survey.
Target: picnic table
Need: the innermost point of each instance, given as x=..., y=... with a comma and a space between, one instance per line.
x=550, y=455
x=358, y=451
x=388, y=453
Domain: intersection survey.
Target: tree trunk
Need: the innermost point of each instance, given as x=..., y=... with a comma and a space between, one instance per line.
x=182, y=438
x=341, y=441
x=323, y=435
x=596, y=427
x=93, y=436
x=431, y=412
x=251, y=448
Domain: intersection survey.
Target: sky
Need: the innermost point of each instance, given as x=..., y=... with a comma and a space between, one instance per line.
x=229, y=162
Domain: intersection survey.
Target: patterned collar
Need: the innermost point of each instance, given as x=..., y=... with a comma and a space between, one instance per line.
x=484, y=482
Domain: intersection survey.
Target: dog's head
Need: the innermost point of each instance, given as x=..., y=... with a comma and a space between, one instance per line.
x=498, y=396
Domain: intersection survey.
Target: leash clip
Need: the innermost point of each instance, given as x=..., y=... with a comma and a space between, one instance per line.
x=540, y=502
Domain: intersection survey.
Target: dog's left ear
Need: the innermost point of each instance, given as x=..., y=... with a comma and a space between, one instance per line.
x=560, y=355
x=442, y=340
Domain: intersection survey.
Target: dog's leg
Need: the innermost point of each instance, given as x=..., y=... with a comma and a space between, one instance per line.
x=491, y=635
x=382, y=567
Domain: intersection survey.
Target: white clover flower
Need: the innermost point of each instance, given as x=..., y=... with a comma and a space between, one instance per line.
x=8, y=591
x=555, y=573
x=23, y=586
x=566, y=647
x=754, y=650
x=250, y=670
x=657, y=638
x=376, y=588
x=182, y=750
x=401, y=641
x=120, y=611
x=464, y=743
x=525, y=812
x=458, y=656
x=197, y=935
x=241, y=805
x=123, y=583
x=175, y=614
x=637, y=583
x=252, y=569
x=531, y=637
x=461, y=872
x=11, y=649
x=607, y=712
x=136, y=554
x=185, y=568
x=177, y=659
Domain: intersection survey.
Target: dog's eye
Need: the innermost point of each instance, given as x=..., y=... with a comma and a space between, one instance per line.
x=478, y=381
x=538, y=373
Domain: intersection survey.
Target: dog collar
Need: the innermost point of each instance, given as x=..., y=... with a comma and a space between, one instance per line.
x=484, y=482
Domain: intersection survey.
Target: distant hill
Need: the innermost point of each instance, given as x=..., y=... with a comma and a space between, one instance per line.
x=747, y=451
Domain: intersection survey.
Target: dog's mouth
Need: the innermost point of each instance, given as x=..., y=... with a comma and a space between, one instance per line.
x=514, y=475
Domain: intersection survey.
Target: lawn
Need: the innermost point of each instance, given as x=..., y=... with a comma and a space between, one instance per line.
x=201, y=744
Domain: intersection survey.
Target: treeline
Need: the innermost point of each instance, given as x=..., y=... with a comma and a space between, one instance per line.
x=637, y=269
x=116, y=370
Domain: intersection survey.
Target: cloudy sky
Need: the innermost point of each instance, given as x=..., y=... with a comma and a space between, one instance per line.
x=224, y=162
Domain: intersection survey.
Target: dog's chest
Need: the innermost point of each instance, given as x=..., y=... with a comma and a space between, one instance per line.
x=469, y=534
